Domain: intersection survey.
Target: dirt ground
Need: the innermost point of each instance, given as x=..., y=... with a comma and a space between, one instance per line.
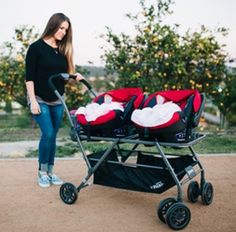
x=25, y=207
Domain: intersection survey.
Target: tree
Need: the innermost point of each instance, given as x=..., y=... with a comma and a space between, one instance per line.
x=12, y=66
x=158, y=58
x=225, y=97
x=74, y=93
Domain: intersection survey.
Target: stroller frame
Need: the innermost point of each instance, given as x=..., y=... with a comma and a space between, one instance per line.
x=171, y=211
x=191, y=173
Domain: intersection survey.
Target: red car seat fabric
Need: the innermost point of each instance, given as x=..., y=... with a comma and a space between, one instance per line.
x=122, y=102
x=175, y=123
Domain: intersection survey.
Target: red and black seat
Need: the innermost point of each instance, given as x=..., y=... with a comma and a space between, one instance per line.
x=178, y=127
x=114, y=122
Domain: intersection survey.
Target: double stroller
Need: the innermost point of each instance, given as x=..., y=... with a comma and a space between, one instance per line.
x=144, y=134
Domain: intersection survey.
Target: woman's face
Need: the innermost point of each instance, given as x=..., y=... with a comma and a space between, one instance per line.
x=61, y=32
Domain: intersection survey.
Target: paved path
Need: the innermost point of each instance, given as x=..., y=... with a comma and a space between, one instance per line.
x=24, y=206
x=17, y=149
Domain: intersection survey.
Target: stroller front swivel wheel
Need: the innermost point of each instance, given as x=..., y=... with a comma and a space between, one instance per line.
x=68, y=193
x=193, y=191
x=207, y=193
x=178, y=216
x=164, y=206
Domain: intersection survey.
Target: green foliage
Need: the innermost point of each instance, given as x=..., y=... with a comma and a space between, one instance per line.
x=75, y=96
x=8, y=121
x=225, y=98
x=217, y=143
x=94, y=71
x=158, y=58
x=12, y=67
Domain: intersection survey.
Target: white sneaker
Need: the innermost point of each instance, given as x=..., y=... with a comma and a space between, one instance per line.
x=43, y=180
x=54, y=179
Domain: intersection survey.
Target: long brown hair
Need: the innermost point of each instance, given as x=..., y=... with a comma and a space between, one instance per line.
x=65, y=45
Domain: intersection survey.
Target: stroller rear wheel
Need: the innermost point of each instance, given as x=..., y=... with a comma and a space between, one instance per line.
x=207, y=193
x=193, y=191
x=164, y=206
x=178, y=216
x=68, y=193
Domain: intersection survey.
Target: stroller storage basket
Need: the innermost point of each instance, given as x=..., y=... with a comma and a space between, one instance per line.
x=148, y=174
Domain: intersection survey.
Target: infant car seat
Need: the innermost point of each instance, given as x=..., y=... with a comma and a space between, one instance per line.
x=109, y=113
x=169, y=116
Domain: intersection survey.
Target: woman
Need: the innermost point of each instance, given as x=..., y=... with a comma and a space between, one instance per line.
x=51, y=54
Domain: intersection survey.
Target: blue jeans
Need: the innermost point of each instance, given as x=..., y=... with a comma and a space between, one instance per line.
x=49, y=121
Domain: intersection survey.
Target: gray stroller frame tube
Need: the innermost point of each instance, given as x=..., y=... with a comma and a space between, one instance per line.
x=200, y=165
x=65, y=77
x=91, y=170
x=72, y=125
x=172, y=172
x=65, y=107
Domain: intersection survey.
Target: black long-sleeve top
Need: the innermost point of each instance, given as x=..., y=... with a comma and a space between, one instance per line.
x=41, y=62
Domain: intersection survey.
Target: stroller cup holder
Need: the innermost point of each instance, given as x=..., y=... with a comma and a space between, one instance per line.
x=147, y=174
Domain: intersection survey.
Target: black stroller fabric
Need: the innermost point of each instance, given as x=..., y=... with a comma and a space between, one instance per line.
x=149, y=175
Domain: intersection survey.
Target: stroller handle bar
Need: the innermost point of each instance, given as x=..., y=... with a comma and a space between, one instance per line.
x=66, y=77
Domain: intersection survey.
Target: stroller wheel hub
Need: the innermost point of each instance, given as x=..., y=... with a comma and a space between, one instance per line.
x=178, y=216
x=68, y=193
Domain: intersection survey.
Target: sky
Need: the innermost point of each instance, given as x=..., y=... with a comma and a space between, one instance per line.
x=90, y=19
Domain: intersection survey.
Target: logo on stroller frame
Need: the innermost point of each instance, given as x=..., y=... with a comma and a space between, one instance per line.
x=157, y=185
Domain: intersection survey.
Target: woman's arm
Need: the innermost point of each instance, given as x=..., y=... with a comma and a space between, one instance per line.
x=34, y=106
x=30, y=67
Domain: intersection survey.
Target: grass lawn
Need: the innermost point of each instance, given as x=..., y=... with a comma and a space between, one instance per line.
x=212, y=143
x=23, y=134
x=22, y=128
x=15, y=128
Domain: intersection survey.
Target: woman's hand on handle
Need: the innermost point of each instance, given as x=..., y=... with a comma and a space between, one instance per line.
x=79, y=77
